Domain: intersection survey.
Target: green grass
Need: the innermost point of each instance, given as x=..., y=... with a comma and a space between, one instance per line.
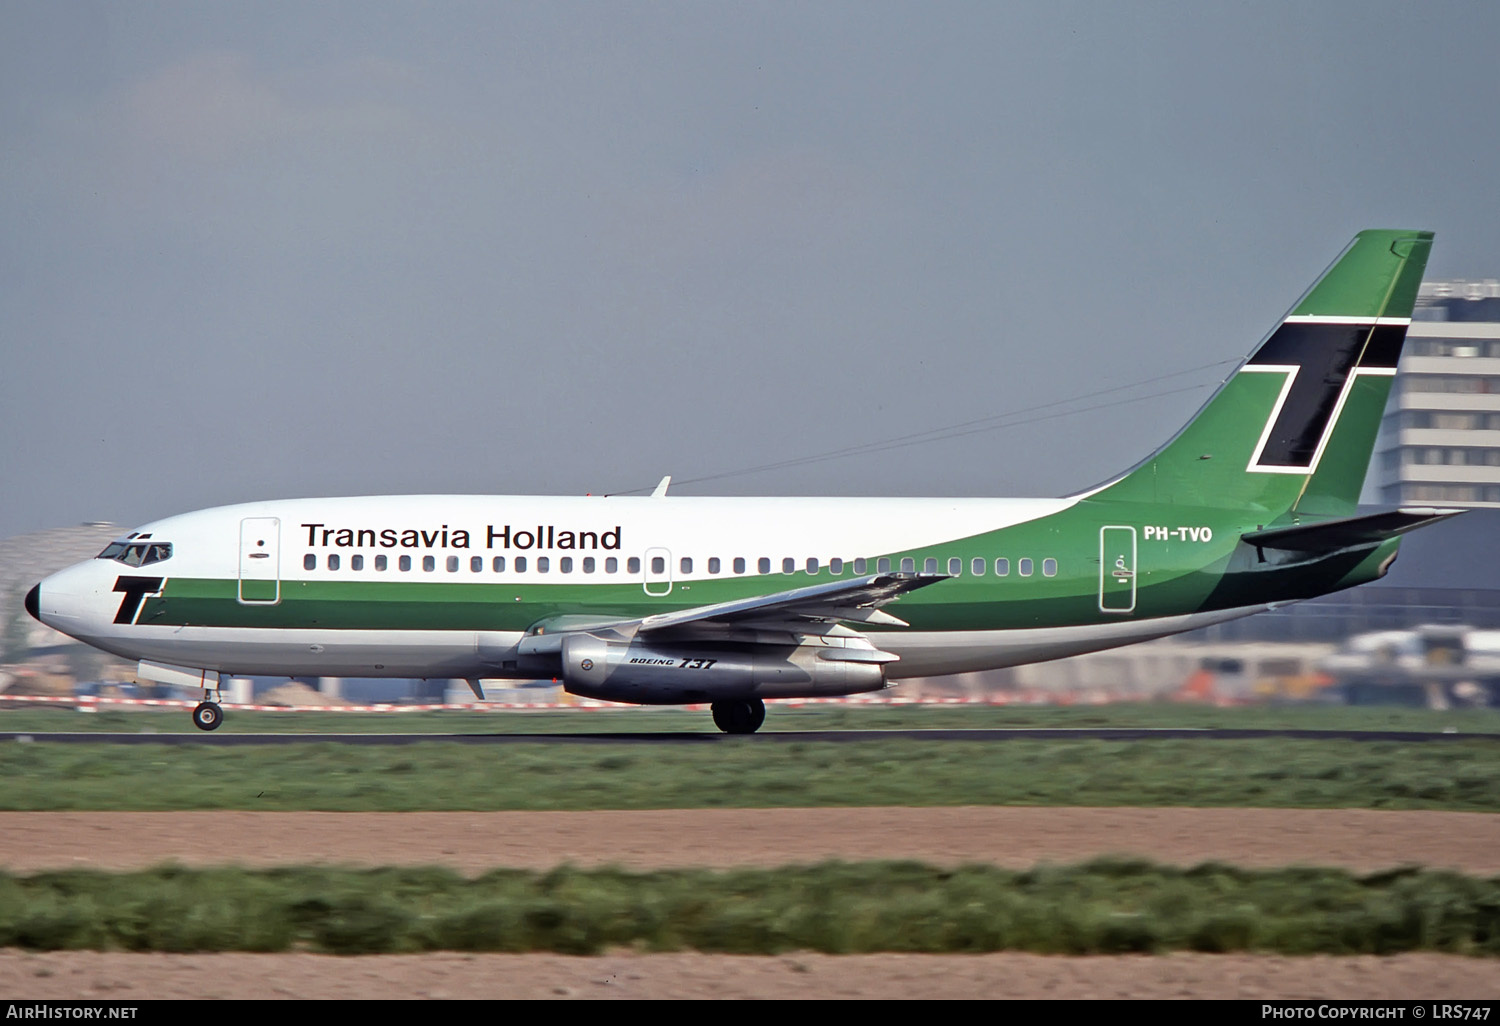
x=1107, y=906
x=1102, y=907
x=753, y=772
x=779, y=718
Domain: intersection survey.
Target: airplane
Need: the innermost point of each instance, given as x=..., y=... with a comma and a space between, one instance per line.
x=664, y=600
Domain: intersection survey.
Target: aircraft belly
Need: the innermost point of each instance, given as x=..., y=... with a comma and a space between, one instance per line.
x=303, y=653
x=492, y=654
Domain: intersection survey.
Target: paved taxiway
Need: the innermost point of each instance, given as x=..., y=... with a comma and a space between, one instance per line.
x=764, y=737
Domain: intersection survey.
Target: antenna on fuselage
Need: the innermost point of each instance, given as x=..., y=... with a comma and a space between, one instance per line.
x=661, y=488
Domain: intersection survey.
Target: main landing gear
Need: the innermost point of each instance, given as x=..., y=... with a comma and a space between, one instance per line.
x=742, y=716
x=206, y=714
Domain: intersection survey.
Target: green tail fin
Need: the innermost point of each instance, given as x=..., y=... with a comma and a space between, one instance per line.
x=1293, y=428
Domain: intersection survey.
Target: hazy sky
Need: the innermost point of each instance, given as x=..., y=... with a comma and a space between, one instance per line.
x=251, y=250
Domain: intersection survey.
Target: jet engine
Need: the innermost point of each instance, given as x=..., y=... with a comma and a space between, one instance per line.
x=670, y=673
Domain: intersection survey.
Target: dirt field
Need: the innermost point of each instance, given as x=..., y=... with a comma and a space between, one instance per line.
x=1358, y=839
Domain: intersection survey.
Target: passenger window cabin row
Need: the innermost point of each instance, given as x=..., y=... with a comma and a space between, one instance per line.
x=979, y=566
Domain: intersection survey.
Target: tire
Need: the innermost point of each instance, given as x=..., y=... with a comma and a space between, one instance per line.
x=207, y=716
x=743, y=716
x=757, y=714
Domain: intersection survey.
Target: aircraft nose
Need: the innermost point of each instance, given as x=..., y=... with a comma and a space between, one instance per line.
x=73, y=600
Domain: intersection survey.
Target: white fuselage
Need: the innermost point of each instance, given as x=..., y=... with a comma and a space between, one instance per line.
x=632, y=554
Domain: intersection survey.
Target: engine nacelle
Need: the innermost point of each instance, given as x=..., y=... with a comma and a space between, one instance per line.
x=679, y=674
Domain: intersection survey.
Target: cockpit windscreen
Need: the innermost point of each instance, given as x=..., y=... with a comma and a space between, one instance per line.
x=137, y=553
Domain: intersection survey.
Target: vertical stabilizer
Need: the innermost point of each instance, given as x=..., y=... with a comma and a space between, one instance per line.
x=1295, y=425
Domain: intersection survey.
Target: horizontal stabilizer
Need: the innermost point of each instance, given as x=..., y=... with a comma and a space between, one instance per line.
x=1348, y=532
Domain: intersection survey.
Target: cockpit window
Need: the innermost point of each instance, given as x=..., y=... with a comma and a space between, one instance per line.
x=137, y=553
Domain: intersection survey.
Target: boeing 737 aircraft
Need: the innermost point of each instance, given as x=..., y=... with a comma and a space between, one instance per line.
x=731, y=601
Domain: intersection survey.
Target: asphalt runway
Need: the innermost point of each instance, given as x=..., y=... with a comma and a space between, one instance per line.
x=196, y=737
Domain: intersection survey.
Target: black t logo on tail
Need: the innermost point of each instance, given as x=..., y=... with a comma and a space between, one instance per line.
x=1324, y=355
x=135, y=589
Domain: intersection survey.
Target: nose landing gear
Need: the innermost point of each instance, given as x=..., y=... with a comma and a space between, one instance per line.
x=207, y=715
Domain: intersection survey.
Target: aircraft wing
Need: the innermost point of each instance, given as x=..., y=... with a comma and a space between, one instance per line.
x=1346, y=532
x=858, y=599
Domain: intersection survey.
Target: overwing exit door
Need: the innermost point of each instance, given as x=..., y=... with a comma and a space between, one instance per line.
x=658, y=572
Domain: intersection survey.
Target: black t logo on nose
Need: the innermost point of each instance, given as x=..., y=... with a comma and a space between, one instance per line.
x=135, y=589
